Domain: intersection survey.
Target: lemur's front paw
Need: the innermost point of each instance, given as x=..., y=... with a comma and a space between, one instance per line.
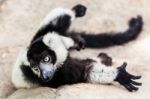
x=105, y=59
x=80, y=10
x=80, y=43
x=126, y=79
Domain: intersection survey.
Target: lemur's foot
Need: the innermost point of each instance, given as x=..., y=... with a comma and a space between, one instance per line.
x=80, y=10
x=105, y=59
x=126, y=79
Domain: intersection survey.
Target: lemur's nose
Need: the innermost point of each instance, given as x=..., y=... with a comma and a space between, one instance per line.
x=46, y=75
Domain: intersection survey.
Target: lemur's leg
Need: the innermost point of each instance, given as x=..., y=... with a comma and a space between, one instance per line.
x=59, y=20
x=105, y=59
x=103, y=40
x=103, y=74
x=18, y=78
x=93, y=71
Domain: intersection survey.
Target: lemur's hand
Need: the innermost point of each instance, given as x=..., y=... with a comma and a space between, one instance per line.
x=79, y=42
x=126, y=79
x=79, y=10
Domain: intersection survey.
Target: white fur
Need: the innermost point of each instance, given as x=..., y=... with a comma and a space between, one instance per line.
x=102, y=74
x=18, y=79
x=52, y=16
x=68, y=42
x=55, y=43
x=36, y=71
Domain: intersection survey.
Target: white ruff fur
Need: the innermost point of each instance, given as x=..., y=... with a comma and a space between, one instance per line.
x=101, y=73
x=68, y=42
x=52, y=16
x=18, y=79
x=58, y=45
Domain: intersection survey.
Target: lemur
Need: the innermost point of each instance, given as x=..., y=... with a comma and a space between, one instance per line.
x=47, y=62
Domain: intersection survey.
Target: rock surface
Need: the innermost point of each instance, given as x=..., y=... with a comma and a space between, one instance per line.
x=20, y=20
x=37, y=93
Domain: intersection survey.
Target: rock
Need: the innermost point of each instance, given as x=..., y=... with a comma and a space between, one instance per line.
x=91, y=91
x=37, y=93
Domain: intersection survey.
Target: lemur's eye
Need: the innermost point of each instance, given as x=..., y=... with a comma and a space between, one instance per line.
x=47, y=59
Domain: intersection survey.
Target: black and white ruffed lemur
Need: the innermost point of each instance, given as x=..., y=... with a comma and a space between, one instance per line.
x=46, y=61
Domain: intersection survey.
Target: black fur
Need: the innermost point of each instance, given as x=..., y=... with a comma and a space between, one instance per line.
x=110, y=39
x=105, y=59
x=29, y=75
x=80, y=10
x=38, y=49
x=63, y=23
x=72, y=71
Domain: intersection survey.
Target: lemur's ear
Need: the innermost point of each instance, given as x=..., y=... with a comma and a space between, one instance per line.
x=80, y=10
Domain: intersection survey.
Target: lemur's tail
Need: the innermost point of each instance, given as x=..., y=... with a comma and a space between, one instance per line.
x=111, y=39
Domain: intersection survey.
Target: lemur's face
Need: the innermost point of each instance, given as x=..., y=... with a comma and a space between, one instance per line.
x=42, y=60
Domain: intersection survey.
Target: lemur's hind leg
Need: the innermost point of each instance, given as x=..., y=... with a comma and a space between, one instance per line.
x=105, y=59
x=102, y=74
x=59, y=20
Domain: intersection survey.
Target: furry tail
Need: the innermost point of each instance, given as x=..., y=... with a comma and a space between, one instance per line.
x=111, y=39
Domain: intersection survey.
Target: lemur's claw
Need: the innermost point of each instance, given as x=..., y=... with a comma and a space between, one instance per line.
x=126, y=79
x=80, y=10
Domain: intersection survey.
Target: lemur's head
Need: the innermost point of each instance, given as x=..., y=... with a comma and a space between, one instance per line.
x=45, y=55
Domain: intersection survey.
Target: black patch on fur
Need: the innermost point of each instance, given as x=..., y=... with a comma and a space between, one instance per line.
x=37, y=50
x=74, y=70
x=105, y=59
x=71, y=72
x=110, y=39
x=80, y=10
x=63, y=23
x=29, y=75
